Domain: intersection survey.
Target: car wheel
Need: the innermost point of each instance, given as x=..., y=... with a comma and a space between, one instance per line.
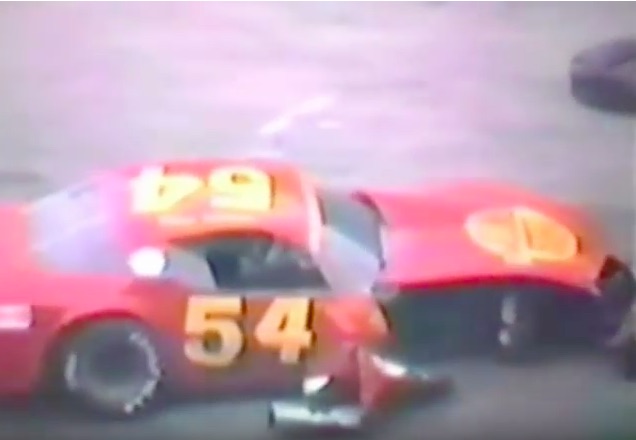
x=111, y=368
x=518, y=326
x=605, y=76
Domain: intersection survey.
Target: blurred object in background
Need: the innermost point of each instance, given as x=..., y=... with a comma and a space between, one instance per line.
x=604, y=76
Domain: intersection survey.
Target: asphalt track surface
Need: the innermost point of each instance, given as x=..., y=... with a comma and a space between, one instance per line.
x=385, y=93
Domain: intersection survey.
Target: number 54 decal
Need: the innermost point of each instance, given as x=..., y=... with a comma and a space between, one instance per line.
x=284, y=327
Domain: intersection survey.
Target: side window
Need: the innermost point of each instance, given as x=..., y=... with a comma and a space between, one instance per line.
x=255, y=262
x=190, y=268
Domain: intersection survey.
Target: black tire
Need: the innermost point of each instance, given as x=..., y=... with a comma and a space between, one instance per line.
x=604, y=76
x=628, y=360
x=518, y=335
x=110, y=369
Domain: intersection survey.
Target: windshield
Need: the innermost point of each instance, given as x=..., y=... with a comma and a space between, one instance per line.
x=71, y=230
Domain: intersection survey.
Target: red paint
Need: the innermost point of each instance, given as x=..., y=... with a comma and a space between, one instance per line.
x=426, y=243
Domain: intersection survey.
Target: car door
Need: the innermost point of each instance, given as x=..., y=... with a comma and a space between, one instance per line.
x=252, y=328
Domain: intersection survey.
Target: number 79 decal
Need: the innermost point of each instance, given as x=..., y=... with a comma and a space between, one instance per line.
x=285, y=327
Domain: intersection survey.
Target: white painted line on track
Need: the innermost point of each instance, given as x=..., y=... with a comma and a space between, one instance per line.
x=286, y=119
x=273, y=129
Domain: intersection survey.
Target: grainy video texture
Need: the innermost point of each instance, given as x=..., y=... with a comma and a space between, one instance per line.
x=382, y=93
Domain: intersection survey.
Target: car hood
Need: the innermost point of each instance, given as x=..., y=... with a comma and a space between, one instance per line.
x=446, y=233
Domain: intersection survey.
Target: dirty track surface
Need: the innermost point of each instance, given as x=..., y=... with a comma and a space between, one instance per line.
x=401, y=93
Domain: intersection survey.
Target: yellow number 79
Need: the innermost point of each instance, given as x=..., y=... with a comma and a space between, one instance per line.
x=284, y=327
x=241, y=188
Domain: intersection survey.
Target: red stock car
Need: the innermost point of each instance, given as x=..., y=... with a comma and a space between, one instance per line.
x=232, y=276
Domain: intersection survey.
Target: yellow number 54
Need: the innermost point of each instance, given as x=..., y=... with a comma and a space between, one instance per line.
x=284, y=327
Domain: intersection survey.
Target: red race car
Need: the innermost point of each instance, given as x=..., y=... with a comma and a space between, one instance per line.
x=241, y=275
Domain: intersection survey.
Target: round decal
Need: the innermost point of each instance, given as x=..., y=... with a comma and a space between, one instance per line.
x=521, y=235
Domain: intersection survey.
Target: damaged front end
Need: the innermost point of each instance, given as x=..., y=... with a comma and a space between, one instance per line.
x=367, y=389
x=356, y=383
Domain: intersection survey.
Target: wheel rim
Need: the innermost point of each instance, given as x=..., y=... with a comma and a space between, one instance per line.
x=120, y=373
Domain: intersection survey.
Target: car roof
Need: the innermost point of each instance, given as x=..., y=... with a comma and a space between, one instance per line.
x=292, y=213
